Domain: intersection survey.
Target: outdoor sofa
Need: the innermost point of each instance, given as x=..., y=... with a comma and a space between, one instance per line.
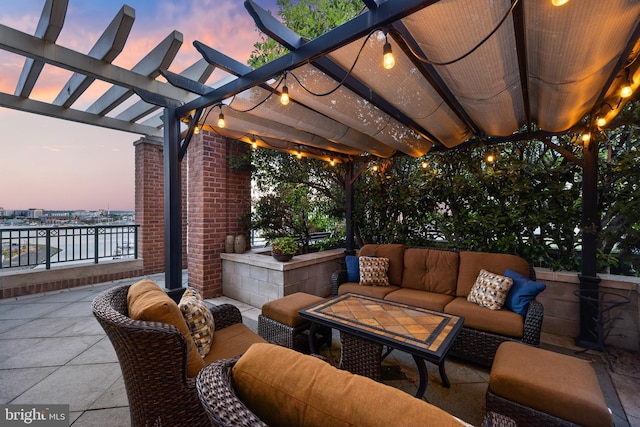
x=441, y=280
x=274, y=385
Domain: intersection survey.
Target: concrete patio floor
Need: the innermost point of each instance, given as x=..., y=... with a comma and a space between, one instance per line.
x=53, y=351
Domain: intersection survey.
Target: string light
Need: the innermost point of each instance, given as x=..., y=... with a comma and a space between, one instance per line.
x=601, y=122
x=388, y=61
x=298, y=155
x=491, y=158
x=425, y=165
x=254, y=143
x=284, y=96
x=374, y=168
x=626, y=91
x=332, y=162
x=559, y=2
x=196, y=129
x=586, y=137
x=221, y=122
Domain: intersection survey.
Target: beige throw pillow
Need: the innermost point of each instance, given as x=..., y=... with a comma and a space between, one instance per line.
x=490, y=290
x=373, y=271
x=199, y=320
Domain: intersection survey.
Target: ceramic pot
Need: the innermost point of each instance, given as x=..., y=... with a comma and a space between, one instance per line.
x=229, y=244
x=240, y=244
x=281, y=257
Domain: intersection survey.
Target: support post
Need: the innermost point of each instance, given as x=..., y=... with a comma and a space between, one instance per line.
x=349, y=198
x=172, y=204
x=589, y=279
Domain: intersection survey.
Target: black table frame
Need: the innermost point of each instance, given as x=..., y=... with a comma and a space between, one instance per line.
x=419, y=354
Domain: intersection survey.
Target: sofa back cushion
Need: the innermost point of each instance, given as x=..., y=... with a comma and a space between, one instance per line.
x=472, y=262
x=395, y=253
x=431, y=270
x=286, y=388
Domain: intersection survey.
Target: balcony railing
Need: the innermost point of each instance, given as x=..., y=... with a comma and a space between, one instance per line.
x=28, y=247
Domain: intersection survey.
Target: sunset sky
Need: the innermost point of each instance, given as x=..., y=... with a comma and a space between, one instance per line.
x=55, y=164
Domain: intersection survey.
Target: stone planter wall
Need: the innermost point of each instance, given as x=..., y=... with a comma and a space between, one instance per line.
x=255, y=277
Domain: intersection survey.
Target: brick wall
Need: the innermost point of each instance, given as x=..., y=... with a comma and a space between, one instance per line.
x=217, y=196
x=149, y=193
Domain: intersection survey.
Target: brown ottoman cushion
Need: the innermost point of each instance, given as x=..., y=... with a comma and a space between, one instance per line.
x=285, y=310
x=563, y=386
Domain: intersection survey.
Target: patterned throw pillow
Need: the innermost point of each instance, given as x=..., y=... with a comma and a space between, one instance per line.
x=199, y=319
x=373, y=271
x=490, y=290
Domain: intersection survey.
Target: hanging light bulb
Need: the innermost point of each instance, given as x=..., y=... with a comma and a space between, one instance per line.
x=586, y=137
x=254, y=143
x=332, y=162
x=601, y=122
x=626, y=91
x=284, y=96
x=559, y=2
x=299, y=155
x=196, y=129
x=374, y=168
x=425, y=165
x=221, y=119
x=388, y=61
x=491, y=158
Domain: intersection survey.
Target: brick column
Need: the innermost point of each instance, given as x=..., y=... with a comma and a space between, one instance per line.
x=217, y=196
x=149, y=170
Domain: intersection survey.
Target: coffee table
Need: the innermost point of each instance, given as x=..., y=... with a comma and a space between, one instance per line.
x=367, y=324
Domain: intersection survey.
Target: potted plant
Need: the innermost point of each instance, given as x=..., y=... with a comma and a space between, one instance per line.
x=283, y=248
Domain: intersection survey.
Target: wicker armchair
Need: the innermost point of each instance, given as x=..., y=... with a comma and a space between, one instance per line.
x=153, y=359
x=218, y=397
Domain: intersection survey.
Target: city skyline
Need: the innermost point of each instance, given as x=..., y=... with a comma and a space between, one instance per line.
x=55, y=164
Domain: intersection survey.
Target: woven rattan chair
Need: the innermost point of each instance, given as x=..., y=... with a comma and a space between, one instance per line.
x=218, y=397
x=153, y=359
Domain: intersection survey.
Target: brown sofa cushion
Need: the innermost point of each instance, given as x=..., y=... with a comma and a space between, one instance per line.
x=370, y=291
x=472, y=262
x=430, y=270
x=286, y=388
x=424, y=299
x=560, y=385
x=503, y=321
x=232, y=341
x=146, y=301
x=395, y=253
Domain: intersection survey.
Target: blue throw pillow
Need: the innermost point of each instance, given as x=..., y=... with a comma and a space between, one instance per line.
x=353, y=268
x=523, y=291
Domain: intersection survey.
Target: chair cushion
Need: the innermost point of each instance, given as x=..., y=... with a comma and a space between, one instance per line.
x=424, y=299
x=395, y=253
x=502, y=322
x=199, y=319
x=472, y=262
x=430, y=270
x=232, y=341
x=370, y=291
x=373, y=271
x=147, y=301
x=490, y=290
x=557, y=384
x=287, y=388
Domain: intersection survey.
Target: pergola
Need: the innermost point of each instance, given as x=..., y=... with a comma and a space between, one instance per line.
x=497, y=71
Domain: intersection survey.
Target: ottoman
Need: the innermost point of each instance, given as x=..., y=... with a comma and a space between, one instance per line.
x=280, y=323
x=536, y=387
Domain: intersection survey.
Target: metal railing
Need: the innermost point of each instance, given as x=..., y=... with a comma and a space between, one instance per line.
x=28, y=247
